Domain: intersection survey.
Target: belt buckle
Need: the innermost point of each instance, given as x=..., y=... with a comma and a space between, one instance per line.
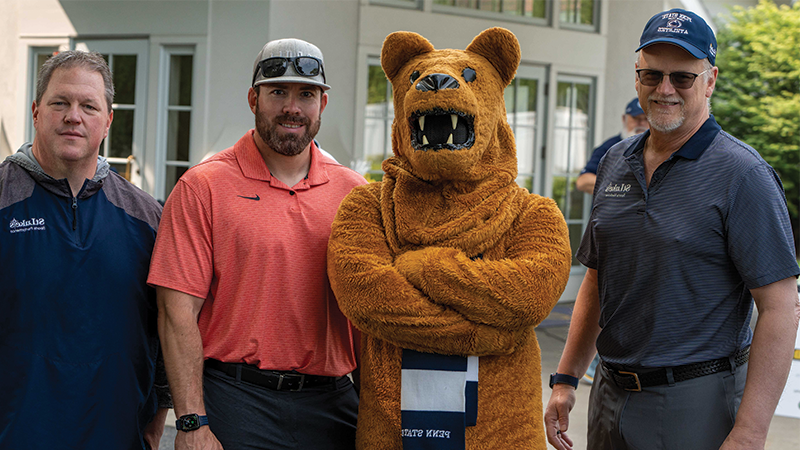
x=299, y=386
x=636, y=378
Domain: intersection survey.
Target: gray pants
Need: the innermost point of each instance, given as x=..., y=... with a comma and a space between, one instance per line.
x=695, y=414
x=246, y=416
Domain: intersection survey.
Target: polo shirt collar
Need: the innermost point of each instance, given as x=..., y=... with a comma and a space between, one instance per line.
x=691, y=149
x=253, y=165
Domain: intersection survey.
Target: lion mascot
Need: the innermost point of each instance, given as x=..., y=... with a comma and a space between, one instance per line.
x=447, y=265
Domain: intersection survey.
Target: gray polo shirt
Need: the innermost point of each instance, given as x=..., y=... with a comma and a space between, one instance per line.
x=676, y=260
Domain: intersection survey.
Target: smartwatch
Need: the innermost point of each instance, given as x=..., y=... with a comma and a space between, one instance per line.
x=190, y=422
x=561, y=378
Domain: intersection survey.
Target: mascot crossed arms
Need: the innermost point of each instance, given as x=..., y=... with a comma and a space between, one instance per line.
x=447, y=265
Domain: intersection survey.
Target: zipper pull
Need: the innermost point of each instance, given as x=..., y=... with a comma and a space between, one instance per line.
x=74, y=213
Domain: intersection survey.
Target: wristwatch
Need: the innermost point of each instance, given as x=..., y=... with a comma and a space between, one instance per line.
x=560, y=378
x=190, y=422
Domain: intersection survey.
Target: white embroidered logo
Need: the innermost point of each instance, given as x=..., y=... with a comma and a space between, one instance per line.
x=674, y=23
x=22, y=226
x=617, y=190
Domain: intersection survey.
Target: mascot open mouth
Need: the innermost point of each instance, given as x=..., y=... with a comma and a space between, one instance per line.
x=439, y=129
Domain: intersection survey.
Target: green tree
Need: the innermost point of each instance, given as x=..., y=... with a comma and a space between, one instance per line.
x=757, y=98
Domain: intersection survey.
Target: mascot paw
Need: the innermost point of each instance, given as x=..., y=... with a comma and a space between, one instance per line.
x=411, y=264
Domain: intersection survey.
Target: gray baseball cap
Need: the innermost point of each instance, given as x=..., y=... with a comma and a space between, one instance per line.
x=297, y=61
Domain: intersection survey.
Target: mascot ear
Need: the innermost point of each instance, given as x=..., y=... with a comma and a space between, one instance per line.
x=501, y=48
x=399, y=48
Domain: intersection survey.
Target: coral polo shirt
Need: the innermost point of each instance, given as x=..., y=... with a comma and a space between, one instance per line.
x=255, y=250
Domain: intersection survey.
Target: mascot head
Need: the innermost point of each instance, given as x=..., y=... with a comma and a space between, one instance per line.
x=450, y=117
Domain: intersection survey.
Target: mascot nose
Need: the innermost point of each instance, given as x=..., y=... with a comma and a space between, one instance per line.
x=437, y=81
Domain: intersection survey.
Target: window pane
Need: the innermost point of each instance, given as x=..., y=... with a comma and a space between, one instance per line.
x=121, y=134
x=173, y=174
x=526, y=95
x=376, y=87
x=180, y=83
x=513, y=7
x=526, y=182
x=560, y=143
x=577, y=11
x=578, y=149
x=375, y=142
x=575, y=235
x=488, y=5
x=526, y=141
x=124, y=72
x=582, y=93
x=576, y=199
x=560, y=192
x=178, y=135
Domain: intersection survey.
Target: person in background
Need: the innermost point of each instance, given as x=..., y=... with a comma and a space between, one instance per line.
x=254, y=342
x=689, y=228
x=78, y=335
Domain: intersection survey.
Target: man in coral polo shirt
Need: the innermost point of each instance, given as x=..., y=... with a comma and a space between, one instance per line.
x=254, y=342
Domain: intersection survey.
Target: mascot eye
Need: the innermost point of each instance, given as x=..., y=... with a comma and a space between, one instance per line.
x=414, y=76
x=469, y=75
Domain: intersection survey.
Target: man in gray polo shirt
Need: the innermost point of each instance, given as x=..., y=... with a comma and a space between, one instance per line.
x=689, y=226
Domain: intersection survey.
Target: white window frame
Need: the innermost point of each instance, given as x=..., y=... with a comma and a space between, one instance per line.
x=164, y=108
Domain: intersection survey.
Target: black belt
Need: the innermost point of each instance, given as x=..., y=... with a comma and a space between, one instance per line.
x=275, y=380
x=635, y=381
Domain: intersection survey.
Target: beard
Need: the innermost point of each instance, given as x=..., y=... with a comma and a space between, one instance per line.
x=666, y=124
x=286, y=144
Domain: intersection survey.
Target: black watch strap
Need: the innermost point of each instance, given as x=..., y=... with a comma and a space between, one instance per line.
x=561, y=378
x=190, y=422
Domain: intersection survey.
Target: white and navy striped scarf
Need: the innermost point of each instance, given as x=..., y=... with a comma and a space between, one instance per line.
x=438, y=400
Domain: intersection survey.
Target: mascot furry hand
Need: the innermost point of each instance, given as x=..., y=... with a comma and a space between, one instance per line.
x=447, y=265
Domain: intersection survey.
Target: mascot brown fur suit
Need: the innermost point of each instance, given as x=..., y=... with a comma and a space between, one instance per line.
x=448, y=255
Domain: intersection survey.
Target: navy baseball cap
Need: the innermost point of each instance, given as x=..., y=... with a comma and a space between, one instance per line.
x=683, y=28
x=634, y=108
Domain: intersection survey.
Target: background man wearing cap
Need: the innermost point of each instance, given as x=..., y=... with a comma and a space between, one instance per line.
x=688, y=227
x=633, y=122
x=253, y=336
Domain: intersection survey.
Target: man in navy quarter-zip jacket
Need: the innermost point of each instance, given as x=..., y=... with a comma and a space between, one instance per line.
x=78, y=332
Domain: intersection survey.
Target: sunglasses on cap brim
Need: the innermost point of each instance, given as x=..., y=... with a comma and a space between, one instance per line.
x=305, y=66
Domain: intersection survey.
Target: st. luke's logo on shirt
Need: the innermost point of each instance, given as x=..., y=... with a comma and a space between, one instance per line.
x=25, y=225
x=616, y=190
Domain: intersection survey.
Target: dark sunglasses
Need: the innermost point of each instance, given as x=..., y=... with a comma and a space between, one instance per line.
x=305, y=66
x=680, y=80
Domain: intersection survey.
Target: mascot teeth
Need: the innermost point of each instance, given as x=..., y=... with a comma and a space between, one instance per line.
x=439, y=129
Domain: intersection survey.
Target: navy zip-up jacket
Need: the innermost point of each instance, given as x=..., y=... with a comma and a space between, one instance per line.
x=78, y=331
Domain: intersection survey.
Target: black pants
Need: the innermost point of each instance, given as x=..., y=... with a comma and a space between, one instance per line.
x=695, y=414
x=247, y=416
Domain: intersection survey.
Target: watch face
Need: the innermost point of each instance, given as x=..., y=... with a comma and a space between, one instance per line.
x=189, y=422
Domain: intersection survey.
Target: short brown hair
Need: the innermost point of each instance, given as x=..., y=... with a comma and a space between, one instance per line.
x=91, y=61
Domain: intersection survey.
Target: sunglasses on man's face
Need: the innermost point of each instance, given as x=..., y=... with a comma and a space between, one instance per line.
x=305, y=66
x=679, y=80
